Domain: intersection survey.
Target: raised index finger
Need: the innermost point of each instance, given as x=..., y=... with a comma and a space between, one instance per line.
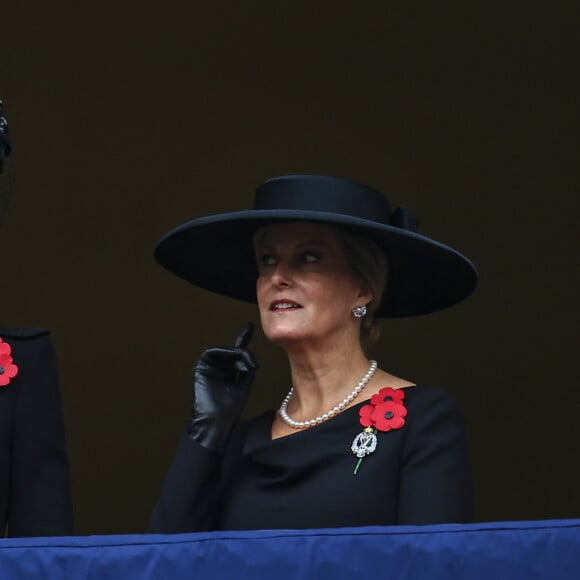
x=245, y=335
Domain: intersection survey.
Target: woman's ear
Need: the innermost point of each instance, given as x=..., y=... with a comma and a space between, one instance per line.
x=365, y=294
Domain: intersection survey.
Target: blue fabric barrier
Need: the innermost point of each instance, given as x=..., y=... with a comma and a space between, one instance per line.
x=511, y=550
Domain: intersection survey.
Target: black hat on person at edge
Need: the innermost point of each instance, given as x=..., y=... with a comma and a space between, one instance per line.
x=217, y=253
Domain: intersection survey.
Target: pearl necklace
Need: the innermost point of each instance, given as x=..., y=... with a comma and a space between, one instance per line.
x=324, y=417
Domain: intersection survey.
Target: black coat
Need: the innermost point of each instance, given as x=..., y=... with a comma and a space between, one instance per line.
x=35, y=487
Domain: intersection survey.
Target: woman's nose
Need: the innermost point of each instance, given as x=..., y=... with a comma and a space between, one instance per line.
x=281, y=275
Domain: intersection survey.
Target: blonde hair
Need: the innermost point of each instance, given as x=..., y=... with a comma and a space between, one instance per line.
x=368, y=263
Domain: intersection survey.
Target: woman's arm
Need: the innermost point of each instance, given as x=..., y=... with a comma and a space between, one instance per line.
x=190, y=492
x=222, y=380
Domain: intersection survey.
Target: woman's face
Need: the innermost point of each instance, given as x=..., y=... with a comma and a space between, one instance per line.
x=305, y=288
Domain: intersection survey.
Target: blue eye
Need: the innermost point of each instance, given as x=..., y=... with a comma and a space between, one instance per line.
x=309, y=258
x=267, y=260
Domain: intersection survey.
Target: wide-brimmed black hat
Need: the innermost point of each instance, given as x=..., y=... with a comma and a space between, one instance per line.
x=217, y=253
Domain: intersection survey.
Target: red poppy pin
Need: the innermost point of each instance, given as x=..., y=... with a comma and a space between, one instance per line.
x=385, y=412
x=8, y=370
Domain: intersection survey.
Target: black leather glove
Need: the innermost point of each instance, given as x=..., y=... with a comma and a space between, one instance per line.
x=222, y=379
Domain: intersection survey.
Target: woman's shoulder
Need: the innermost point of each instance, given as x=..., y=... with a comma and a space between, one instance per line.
x=28, y=343
x=415, y=393
x=421, y=392
x=431, y=406
x=22, y=333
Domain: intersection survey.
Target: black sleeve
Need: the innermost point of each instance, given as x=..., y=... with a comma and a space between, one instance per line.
x=189, y=497
x=436, y=484
x=40, y=497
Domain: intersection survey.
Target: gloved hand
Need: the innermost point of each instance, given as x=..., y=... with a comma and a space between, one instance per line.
x=222, y=379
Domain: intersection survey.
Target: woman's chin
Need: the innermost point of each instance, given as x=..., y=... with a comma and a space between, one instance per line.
x=282, y=336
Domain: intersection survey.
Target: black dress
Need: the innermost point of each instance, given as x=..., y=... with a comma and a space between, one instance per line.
x=419, y=474
x=35, y=487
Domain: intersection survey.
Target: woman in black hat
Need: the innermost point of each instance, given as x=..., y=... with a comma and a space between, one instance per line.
x=351, y=444
x=35, y=489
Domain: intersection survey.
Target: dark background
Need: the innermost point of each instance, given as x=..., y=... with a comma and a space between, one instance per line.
x=130, y=117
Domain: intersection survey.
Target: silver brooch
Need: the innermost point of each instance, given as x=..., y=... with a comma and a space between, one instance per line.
x=364, y=444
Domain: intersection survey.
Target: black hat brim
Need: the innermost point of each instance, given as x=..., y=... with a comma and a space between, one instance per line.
x=217, y=253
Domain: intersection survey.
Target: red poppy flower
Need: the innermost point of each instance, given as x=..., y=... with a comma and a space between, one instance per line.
x=8, y=370
x=389, y=416
x=365, y=415
x=388, y=394
x=385, y=411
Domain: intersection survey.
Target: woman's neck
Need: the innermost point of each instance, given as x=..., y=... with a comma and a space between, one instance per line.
x=322, y=380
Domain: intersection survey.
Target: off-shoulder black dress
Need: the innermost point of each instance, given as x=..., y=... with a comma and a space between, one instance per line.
x=419, y=474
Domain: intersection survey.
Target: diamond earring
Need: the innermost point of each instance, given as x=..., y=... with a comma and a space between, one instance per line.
x=359, y=311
